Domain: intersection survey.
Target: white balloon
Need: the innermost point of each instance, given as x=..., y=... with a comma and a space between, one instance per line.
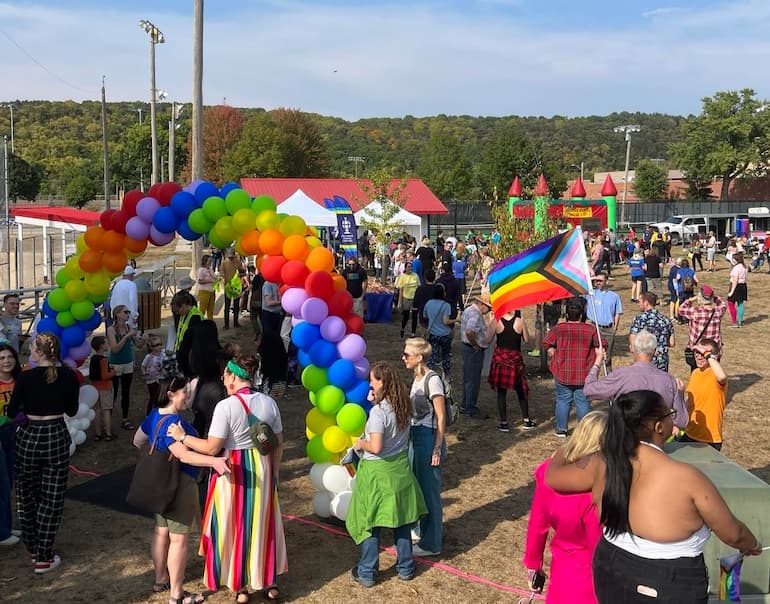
x=340, y=504
x=80, y=437
x=91, y=415
x=322, y=504
x=316, y=474
x=336, y=479
x=88, y=395
x=85, y=423
x=73, y=446
x=82, y=410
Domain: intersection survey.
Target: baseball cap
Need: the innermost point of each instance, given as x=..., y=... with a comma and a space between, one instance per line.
x=129, y=270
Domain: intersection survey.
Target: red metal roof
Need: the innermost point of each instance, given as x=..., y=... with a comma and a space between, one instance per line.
x=57, y=213
x=419, y=199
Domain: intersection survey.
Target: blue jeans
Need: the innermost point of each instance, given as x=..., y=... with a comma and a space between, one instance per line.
x=7, y=459
x=369, y=564
x=473, y=362
x=431, y=527
x=565, y=396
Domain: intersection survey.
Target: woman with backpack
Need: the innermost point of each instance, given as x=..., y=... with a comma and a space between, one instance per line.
x=429, y=448
x=686, y=282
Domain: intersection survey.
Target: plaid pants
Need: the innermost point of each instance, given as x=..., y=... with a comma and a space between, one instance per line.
x=42, y=458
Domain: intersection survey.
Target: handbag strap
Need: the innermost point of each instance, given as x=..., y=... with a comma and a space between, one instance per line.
x=245, y=406
x=158, y=426
x=702, y=331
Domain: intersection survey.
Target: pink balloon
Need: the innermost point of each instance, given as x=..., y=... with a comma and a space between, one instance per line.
x=138, y=229
x=292, y=300
x=314, y=310
x=362, y=368
x=352, y=347
x=333, y=329
x=158, y=238
x=146, y=208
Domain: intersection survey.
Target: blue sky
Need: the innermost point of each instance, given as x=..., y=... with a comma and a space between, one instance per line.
x=360, y=59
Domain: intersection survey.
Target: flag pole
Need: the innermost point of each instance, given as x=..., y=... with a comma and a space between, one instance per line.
x=591, y=296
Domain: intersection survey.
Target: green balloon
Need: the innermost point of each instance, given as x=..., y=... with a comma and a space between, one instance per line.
x=198, y=222
x=82, y=310
x=62, y=278
x=218, y=242
x=311, y=397
x=352, y=418
x=263, y=202
x=314, y=378
x=329, y=400
x=224, y=229
x=214, y=208
x=58, y=300
x=315, y=450
x=237, y=199
x=65, y=319
x=98, y=297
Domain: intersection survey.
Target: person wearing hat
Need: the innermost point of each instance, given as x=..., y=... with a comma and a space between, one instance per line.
x=125, y=293
x=476, y=331
x=704, y=311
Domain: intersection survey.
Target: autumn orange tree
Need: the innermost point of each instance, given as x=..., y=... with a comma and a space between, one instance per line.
x=222, y=128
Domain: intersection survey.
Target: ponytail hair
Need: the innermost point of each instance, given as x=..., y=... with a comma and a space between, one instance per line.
x=630, y=420
x=48, y=346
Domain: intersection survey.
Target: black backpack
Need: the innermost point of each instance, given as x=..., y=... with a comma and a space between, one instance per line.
x=424, y=405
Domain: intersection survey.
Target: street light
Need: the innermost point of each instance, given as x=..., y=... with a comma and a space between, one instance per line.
x=10, y=106
x=627, y=130
x=176, y=111
x=156, y=37
x=356, y=159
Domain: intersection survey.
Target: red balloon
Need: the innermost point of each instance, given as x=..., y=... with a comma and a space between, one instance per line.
x=340, y=303
x=283, y=289
x=166, y=191
x=294, y=273
x=354, y=324
x=105, y=219
x=319, y=284
x=154, y=189
x=130, y=199
x=271, y=268
x=119, y=220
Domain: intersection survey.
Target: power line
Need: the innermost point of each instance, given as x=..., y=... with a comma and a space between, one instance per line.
x=43, y=67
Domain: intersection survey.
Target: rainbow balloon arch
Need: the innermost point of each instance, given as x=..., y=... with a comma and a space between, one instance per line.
x=327, y=333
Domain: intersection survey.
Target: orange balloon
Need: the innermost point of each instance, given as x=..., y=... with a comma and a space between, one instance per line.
x=271, y=242
x=90, y=261
x=339, y=281
x=94, y=238
x=134, y=246
x=113, y=241
x=295, y=248
x=320, y=259
x=114, y=262
x=250, y=242
x=259, y=261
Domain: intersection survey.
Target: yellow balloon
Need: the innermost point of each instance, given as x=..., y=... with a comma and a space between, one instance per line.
x=293, y=225
x=353, y=440
x=80, y=244
x=313, y=241
x=309, y=434
x=317, y=422
x=97, y=283
x=334, y=439
x=267, y=219
x=312, y=230
x=72, y=268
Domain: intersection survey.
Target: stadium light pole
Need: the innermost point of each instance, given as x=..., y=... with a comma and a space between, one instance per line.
x=156, y=37
x=13, y=146
x=627, y=130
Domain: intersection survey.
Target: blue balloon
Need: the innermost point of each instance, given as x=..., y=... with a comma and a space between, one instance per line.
x=73, y=336
x=342, y=374
x=305, y=334
x=322, y=353
x=358, y=393
x=203, y=191
x=227, y=187
x=47, y=310
x=64, y=350
x=186, y=232
x=165, y=220
x=303, y=359
x=48, y=325
x=92, y=323
x=182, y=204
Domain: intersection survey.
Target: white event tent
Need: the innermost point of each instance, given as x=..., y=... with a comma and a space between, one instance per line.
x=411, y=223
x=299, y=204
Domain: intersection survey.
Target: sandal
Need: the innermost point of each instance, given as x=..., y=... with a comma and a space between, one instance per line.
x=109, y=437
x=188, y=598
x=160, y=587
x=242, y=597
x=271, y=593
x=97, y=437
x=127, y=425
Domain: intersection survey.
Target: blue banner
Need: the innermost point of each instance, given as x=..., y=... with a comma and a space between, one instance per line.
x=346, y=226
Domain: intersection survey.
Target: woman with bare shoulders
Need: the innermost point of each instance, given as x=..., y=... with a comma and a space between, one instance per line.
x=657, y=513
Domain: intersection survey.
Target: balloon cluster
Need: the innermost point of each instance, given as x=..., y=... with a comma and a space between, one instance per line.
x=335, y=488
x=78, y=425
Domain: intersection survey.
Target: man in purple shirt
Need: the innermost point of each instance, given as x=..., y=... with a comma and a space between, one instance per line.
x=641, y=375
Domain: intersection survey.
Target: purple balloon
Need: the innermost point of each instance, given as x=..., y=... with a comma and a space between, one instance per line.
x=138, y=229
x=158, y=238
x=333, y=329
x=146, y=208
x=81, y=352
x=292, y=300
x=314, y=310
x=362, y=367
x=192, y=186
x=70, y=361
x=352, y=347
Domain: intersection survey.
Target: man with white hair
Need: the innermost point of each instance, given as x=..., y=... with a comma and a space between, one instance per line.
x=640, y=375
x=125, y=292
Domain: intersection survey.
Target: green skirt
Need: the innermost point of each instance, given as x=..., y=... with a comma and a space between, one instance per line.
x=386, y=494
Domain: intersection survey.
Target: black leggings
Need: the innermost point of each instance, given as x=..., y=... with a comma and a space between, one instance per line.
x=502, y=403
x=699, y=259
x=405, y=317
x=125, y=391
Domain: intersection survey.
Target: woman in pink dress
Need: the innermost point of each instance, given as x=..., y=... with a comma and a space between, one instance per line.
x=574, y=522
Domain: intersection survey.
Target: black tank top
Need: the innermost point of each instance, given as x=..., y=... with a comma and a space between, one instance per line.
x=508, y=338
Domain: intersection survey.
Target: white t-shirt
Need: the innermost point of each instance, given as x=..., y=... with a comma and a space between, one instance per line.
x=231, y=424
x=419, y=392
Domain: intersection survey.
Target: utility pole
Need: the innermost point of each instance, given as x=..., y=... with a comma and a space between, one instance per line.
x=105, y=152
x=197, y=111
x=7, y=216
x=627, y=130
x=176, y=111
x=156, y=37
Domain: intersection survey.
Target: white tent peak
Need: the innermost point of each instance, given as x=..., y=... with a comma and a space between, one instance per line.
x=299, y=204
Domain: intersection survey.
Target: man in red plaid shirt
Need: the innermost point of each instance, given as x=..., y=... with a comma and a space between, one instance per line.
x=698, y=311
x=571, y=348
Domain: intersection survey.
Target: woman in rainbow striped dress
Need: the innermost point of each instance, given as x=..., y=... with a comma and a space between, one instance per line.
x=242, y=534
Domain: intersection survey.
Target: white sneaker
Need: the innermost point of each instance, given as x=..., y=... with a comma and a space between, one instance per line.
x=12, y=540
x=415, y=537
x=16, y=532
x=44, y=567
x=418, y=551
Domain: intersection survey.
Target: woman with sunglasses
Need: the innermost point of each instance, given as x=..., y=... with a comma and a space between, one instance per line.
x=122, y=338
x=428, y=427
x=657, y=513
x=172, y=528
x=242, y=533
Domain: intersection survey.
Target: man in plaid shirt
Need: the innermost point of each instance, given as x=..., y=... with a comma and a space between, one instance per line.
x=697, y=310
x=571, y=348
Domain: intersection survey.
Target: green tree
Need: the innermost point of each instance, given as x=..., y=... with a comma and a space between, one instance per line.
x=80, y=189
x=23, y=178
x=384, y=199
x=729, y=139
x=445, y=168
x=650, y=180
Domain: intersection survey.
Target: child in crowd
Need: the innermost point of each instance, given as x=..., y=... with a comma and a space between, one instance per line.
x=100, y=373
x=152, y=370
